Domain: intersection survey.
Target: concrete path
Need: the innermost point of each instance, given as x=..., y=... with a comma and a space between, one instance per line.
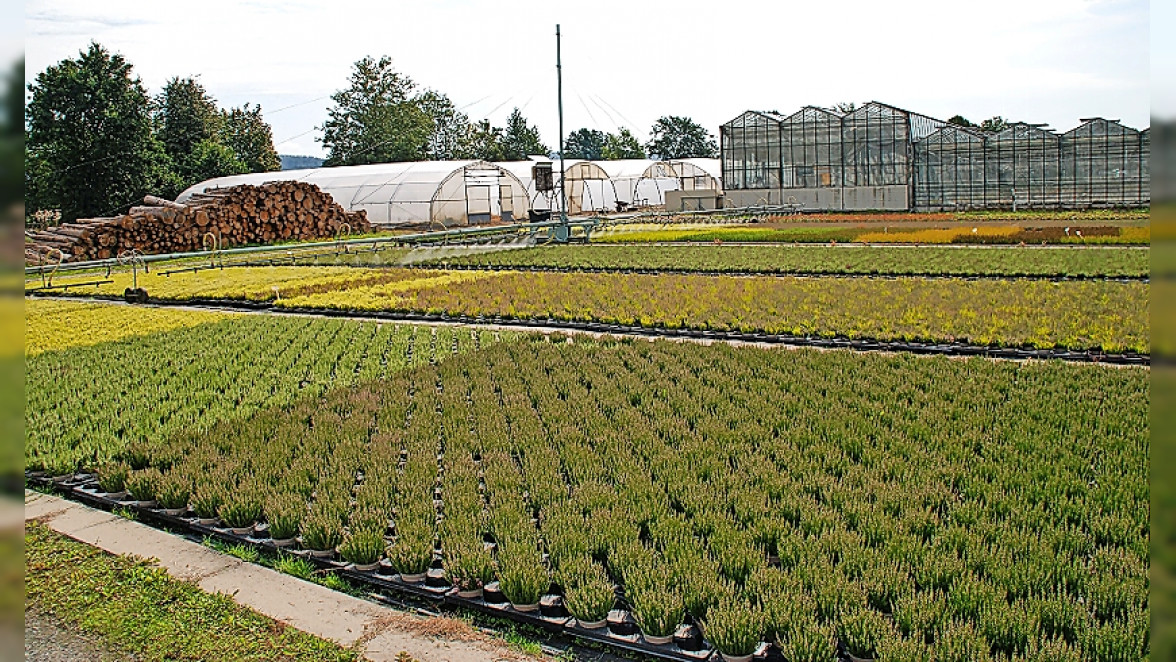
x=380, y=632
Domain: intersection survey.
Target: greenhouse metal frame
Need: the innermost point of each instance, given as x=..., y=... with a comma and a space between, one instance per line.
x=883, y=157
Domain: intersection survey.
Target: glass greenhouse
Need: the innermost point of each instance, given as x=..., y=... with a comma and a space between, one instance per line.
x=883, y=157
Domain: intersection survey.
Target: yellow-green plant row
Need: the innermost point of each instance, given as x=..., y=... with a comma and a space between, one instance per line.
x=57, y=324
x=896, y=504
x=742, y=258
x=1112, y=317
x=84, y=404
x=252, y=283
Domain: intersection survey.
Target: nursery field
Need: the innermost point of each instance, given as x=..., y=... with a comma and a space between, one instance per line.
x=805, y=230
x=897, y=506
x=940, y=261
x=88, y=403
x=1087, y=315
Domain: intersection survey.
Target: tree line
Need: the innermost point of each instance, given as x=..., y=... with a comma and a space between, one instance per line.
x=97, y=141
x=384, y=116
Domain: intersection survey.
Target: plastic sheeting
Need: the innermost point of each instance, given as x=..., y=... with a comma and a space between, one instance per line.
x=443, y=192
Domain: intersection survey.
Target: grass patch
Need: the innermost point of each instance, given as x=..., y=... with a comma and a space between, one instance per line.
x=134, y=606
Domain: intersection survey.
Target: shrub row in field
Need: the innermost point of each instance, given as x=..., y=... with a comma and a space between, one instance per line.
x=899, y=506
x=1009, y=234
x=87, y=403
x=822, y=259
x=1107, y=316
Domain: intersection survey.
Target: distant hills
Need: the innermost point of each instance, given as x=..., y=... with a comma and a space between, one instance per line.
x=291, y=162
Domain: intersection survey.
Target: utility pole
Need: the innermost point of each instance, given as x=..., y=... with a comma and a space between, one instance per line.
x=563, y=202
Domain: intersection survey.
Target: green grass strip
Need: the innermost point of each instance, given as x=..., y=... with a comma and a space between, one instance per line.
x=136, y=607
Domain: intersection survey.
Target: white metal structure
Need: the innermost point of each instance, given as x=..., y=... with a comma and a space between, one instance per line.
x=641, y=182
x=697, y=174
x=444, y=192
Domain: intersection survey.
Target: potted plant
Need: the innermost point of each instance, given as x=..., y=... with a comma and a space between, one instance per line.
x=173, y=494
x=321, y=534
x=283, y=514
x=206, y=501
x=860, y=630
x=470, y=570
x=734, y=628
x=807, y=641
x=524, y=579
x=142, y=485
x=591, y=599
x=658, y=613
x=240, y=512
x=412, y=553
x=112, y=480
x=363, y=548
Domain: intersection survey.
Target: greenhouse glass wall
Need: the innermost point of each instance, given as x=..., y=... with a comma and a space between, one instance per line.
x=882, y=157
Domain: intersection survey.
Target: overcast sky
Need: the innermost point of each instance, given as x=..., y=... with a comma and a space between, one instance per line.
x=626, y=63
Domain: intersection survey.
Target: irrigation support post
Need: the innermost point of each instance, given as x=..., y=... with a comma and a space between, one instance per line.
x=560, y=233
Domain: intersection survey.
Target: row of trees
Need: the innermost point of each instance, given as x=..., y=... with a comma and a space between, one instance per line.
x=97, y=142
x=384, y=116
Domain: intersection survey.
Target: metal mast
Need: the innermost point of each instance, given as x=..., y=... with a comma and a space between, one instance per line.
x=563, y=203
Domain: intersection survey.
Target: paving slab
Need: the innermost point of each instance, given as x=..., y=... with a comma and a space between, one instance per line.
x=382, y=633
x=306, y=606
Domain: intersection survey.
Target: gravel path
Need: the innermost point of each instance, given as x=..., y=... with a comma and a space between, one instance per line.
x=48, y=640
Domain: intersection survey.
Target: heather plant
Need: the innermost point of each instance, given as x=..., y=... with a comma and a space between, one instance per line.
x=174, y=491
x=112, y=476
x=321, y=531
x=143, y=484
x=861, y=630
x=284, y=513
x=591, y=595
x=362, y=546
x=733, y=627
x=522, y=576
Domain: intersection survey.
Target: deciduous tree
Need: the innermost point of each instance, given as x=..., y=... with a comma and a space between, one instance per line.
x=377, y=118
x=674, y=137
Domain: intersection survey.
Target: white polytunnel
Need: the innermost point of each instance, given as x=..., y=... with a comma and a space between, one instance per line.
x=588, y=187
x=698, y=174
x=641, y=182
x=537, y=200
x=444, y=192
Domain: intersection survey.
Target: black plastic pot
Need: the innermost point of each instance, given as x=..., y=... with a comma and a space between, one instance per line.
x=621, y=623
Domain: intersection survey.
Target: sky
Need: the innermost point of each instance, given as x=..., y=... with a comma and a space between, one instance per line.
x=627, y=63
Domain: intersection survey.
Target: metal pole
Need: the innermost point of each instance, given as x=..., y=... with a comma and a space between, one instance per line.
x=563, y=203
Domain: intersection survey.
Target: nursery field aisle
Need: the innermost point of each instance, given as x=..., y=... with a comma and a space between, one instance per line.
x=378, y=633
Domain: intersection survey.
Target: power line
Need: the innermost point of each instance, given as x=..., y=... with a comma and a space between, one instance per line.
x=295, y=105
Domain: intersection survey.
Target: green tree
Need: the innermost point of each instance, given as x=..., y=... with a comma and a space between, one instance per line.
x=185, y=116
x=622, y=145
x=960, y=120
x=89, y=133
x=250, y=138
x=675, y=137
x=450, y=133
x=520, y=139
x=484, y=142
x=210, y=159
x=993, y=124
x=584, y=144
x=12, y=146
x=376, y=119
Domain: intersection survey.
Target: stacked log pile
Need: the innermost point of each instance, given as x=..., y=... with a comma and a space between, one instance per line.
x=235, y=216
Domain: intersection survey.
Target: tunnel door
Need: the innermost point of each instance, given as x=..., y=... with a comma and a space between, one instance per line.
x=506, y=202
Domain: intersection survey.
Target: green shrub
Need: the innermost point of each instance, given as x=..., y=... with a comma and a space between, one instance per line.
x=206, y=499
x=144, y=484
x=896, y=648
x=362, y=546
x=592, y=595
x=733, y=627
x=1008, y=628
x=112, y=476
x=807, y=641
x=321, y=531
x=412, y=552
x=174, y=491
x=921, y=614
x=658, y=612
x=284, y=513
x=961, y=643
x=522, y=576
x=1052, y=650
x=470, y=567
x=861, y=630
x=242, y=507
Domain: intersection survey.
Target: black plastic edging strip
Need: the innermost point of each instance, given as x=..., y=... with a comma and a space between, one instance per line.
x=76, y=491
x=832, y=342
x=925, y=275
